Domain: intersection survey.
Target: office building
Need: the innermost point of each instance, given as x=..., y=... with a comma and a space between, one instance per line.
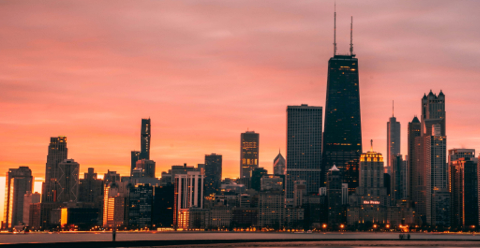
x=115, y=194
x=68, y=181
x=279, y=165
x=342, y=143
x=256, y=177
x=304, y=147
x=91, y=188
x=413, y=132
x=456, y=153
x=147, y=168
x=249, y=152
x=189, y=194
x=464, y=192
x=57, y=153
x=162, y=213
x=28, y=199
x=213, y=173
x=134, y=157
x=393, y=142
x=334, y=195
x=17, y=183
x=111, y=177
x=398, y=179
x=146, y=134
x=140, y=200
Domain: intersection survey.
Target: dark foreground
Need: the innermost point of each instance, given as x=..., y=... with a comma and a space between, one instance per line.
x=230, y=239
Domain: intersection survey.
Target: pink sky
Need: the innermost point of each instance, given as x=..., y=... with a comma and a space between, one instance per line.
x=206, y=71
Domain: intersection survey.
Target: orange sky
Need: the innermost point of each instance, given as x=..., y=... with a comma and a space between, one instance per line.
x=206, y=71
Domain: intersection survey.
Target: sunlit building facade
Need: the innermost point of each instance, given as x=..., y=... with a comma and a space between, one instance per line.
x=17, y=183
x=114, y=204
x=249, y=153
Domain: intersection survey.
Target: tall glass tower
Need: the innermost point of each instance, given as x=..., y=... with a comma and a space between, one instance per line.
x=146, y=134
x=342, y=141
x=57, y=152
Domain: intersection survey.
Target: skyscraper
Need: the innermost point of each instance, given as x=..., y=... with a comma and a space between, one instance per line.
x=464, y=190
x=134, y=157
x=146, y=134
x=68, y=181
x=413, y=132
x=342, y=142
x=249, y=147
x=304, y=147
x=188, y=190
x=393, y=142
x=279, y=165
x=57, y=152
x=91, y=188
x=435, y=177
x=213, y=173
x=17, y=183
x=334, y=194
x=147, y=167
x=399, y=179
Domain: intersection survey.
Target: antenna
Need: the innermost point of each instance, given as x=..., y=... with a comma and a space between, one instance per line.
x=335, y=29
x=351, y=36
x=371, y=145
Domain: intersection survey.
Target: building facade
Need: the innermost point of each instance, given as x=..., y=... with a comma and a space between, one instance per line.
x=393, y=142
x=304, y=147
x=213, y=173
x=279, y=165
x=68, y=181
x=464, y=192
x=146, y=135
x=189, y=194
x=57, y=152
x=17, y=183
x=249, y=153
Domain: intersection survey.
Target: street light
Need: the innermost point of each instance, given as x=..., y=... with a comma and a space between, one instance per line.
x=375, y=227
x=324, y=227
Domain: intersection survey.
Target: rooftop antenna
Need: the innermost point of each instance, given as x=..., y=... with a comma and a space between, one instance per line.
x=351, y=36
x=371, y=145
x=335, y=29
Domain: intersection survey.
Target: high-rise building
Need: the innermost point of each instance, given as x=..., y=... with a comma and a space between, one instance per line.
x=28, y=199
x=249, y=148
x=456, y=153
x=413, y=132
x=342, y=141
x=110, y=177
x=146, y=134
x=17, y=183
x=57, y=152
x=188, y=190
x=213, y=173
x=279, y=165
x=393, y=142
x=334, y=195
x=464, y=192
x=90, y=188
x=134, y=157
x=162, y=215
x=115, y=194
x=147, y=167
x=434, y=161
x=68, y=181
x=369, y=203
x=398, y=181
x=304, y=147
x=256, y=178
x=139, y=206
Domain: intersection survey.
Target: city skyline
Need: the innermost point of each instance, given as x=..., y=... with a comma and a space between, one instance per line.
x=176, y=138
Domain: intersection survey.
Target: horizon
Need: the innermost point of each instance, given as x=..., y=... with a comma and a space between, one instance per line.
x=204, y=74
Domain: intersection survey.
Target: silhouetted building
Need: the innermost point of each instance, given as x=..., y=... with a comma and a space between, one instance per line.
x=393, y=142
x=272, y=182
x=342, y=141
x=140, y=204
x=249, y=148
x=68, y=181
x=134, y=156
x=412, y=164
x=334, y=195
x=57, y=152
x=111, y=177
x=147, y=168
x=399, y=174
x=162, y=213
x=213, y=173
x=146, y=134
x=304, y=147
x=17, y=183
x=91, y=188
x=28, y=199
x=464, y=190
x=256, y=177
x=271, y=209
x=279, y=165
x=79, y=218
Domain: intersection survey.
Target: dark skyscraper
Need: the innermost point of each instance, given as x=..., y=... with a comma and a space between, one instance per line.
x=213, y=173
x=68, y=181
x=91, y=188
x=342, y=141
x=135, y=156
x=304, y=147
x=145, y=139
x=334, y=194
x=413, y=132
x=57, y=152
x=393, y=142
x=249, y=147
x=17, y=183
x=147, y=166
x=464, y=190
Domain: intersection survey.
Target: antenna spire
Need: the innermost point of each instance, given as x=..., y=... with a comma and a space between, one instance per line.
x=335, y=29
x=371, y=145
x=351, y=36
